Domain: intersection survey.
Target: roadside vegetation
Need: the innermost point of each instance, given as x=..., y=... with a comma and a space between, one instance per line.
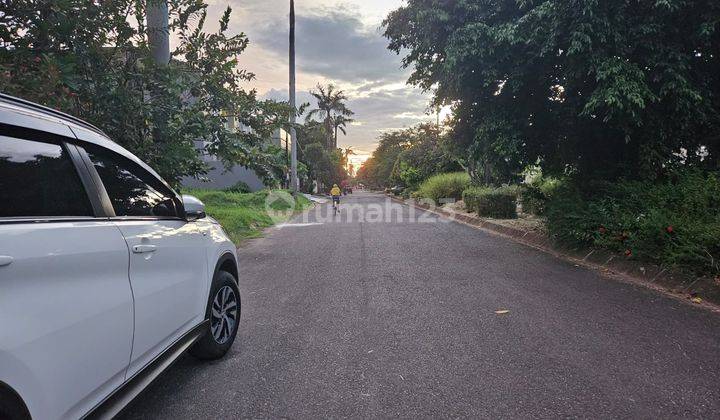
x=444, y=186
x=245, y=215
x=322, y=163
x=163, y=112
x=160, y=112
x=499, y=203
x=675, y=222
x=171, y=114
x=613, y=144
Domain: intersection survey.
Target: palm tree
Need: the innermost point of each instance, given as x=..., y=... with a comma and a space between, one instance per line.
x=340, y=122
x=347, y=152
x=346, y=157
x=330, y=102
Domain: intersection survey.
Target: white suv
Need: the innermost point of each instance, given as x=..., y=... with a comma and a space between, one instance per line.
x=106, y=274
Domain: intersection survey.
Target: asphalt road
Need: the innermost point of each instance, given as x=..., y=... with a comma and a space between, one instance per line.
x=365, y=318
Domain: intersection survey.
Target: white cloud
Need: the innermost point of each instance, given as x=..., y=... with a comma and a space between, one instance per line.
x=410, y=116
x=337, y=45
x=337, y=41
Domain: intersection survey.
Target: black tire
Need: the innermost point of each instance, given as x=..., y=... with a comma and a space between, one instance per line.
x=208, y=347
x=11, y=407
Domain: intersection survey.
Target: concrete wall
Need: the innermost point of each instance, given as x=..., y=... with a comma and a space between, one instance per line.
x=219, y=178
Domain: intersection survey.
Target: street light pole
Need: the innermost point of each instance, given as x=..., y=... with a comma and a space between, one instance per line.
x=294, y=185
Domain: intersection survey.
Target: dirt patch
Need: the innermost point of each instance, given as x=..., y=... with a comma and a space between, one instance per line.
x=524, y=222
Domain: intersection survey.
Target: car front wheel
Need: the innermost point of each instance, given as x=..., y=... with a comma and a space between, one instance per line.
x=223, y=311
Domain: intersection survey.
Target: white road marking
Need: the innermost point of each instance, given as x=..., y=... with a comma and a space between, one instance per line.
x=284, y=225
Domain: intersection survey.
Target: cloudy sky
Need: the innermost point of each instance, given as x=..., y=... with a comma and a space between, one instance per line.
x=338, y=41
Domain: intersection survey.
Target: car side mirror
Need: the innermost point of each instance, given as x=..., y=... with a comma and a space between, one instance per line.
x=194, y=208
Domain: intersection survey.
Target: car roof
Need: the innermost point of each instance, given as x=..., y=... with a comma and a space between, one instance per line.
x=27, y=114
x=41, y=111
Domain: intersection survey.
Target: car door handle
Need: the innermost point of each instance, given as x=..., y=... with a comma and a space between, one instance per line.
x=143, y=249
x=6, y=260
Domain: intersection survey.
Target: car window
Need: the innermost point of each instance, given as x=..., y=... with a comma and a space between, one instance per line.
x=132, y=191
x=38, y=179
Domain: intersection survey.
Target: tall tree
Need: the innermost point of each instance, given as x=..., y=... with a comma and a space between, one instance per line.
x=377, y=170
x=340, y=123
x=596, y=88
x=330, y=103
x=347, y=152
x=426, y=154
x=409, y=156
x=92, y=59
x=326, y=166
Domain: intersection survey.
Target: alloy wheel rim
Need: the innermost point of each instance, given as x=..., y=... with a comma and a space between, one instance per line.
x=224, y=315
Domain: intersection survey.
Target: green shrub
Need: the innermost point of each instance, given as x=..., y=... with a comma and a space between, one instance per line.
x=674, y=223
x=410, y=175
x=499, y=203
x=441, y=186
x=471, y=196
x=239, y=187
x=535, y=194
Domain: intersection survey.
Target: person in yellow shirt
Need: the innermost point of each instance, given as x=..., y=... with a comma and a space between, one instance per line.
x=335, y=192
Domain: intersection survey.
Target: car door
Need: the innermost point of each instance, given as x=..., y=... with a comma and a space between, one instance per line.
x=168, y=263
x=66, y=314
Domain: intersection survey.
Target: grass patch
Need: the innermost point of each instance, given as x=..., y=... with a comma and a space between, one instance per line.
x=245, y=215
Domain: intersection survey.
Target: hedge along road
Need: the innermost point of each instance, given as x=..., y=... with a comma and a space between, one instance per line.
x=369, y=318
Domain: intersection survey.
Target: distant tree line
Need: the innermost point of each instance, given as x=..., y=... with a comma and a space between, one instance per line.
x=407, y=157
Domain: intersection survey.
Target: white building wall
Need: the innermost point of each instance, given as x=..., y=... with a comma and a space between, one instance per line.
x=219, y=178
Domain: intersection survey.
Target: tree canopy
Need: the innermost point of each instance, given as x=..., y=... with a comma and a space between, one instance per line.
x=332, y=110
x=408, y=157
x=91, y=59
x=326, y=166
x=615, y=88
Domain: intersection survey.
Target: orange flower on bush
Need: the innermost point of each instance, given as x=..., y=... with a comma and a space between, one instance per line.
x=669, y=229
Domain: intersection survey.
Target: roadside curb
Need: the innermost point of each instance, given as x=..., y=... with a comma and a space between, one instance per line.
x=669, y=282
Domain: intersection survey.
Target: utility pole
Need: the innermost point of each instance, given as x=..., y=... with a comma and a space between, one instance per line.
x=294, y=185
x=158, y=31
